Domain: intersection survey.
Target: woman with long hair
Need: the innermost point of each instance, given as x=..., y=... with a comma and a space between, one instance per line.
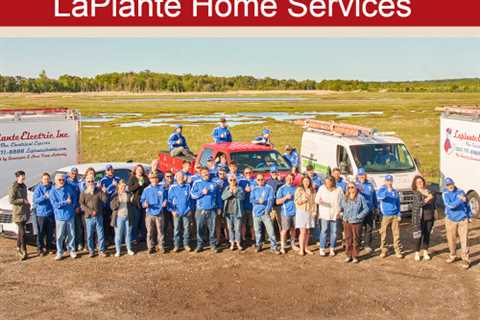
x=306, y=211
x=137, y=182
x=354, y=210
x=122, y=218
x=423, y=216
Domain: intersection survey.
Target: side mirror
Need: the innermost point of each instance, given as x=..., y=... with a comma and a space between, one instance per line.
x=417, y=162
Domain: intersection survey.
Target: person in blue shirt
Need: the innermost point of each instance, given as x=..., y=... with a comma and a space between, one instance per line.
x=109, y=182
x=168, y=180
x=389, y=203
x=177, y=144
x=44, y=212
x=221, y=134
x=264, y=139
x=186, y=165
x=262, y=198
x=316, y=179
x=221, y=182
x=180, y=204
x=72, y=180
x=154, y=201
x=275, y=181
x=386, y=157
x=247, y=182
x=212, y=167
x=339, y=181
x=205, y=193
x=196, y=176
x=286, y=199
x=233, y=170
x=63, y=208
x=222, y=163
x=367, y=190
x=291, y=155
x=457, y=217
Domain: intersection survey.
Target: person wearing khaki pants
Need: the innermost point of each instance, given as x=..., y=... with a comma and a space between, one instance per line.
x=389, y=199
x=457, y=217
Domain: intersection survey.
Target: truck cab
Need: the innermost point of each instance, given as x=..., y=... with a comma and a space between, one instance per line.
x=349, y=148
x=258, y=157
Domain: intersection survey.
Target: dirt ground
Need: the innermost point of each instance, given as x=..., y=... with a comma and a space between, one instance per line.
x=233, y=285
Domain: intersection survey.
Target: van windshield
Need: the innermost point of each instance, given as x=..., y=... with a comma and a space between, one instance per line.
x=382, y=158
x=260, y=161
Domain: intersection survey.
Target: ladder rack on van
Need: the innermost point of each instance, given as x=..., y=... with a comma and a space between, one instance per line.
x=461, y=110
x=336, y=128
x=17, y=114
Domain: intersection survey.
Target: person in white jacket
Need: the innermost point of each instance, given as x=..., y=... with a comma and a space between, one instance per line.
x=328, y=199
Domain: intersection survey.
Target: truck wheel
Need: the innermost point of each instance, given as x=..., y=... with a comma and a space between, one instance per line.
x=474, y=201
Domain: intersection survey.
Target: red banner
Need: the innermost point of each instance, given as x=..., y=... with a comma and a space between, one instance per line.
x=275, y=13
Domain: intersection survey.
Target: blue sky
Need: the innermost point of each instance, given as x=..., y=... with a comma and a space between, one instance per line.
x=312, y=58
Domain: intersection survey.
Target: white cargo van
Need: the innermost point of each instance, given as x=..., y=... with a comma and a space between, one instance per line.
x=460, y=151
x=328, y=145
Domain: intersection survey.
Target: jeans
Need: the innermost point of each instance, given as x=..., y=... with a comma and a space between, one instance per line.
x=329, y=226
x=267, y=222
x=95, y=224
x=65, y=229
x=368, y=224
x=123, y=231
x=45, y=227
x=316, y=231
x=80, y=230
x=234, y=225
x=139, y=230
x=181, y=223
x=206, y=219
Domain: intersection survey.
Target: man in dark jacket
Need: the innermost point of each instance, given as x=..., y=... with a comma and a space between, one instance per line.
x=20, y=211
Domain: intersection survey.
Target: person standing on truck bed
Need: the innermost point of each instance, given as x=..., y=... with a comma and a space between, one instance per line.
x=180, y=203
x=264, y=139
x=204, y=192
x=221, y=134
x=61, y=198
x=44, y=212
x=20, y=211
x=458, y=216
x=423, y=216
x=291, y=155
x=109, y=181
x=367, y=190
x=247, y=183
x=389, y=199
x=137, y=182
x=262, y=198
x=177, y=144
x=72, y=181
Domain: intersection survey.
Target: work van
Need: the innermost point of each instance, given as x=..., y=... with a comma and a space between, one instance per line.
x=328, y=145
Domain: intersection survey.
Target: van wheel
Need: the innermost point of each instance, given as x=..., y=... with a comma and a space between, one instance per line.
x=474, y=201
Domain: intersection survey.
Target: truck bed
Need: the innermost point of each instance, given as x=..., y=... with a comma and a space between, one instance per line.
x=168, y=163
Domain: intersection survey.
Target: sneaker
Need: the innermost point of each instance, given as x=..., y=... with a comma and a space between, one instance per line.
x=73, y=255
x=58, y=258
x=152, y=251
x=189, y=249
x=383, y=255
x=91, y=254
x=215, y=250
x=162, y=250
x=130, y=253
x=322, y=253
x=258, y=249
x=451, y=259
x=275, y=251
x=283, y=251
x=466, y=264
x=80, y=248
x=198, y=250
x=355, y=260
x=347, y=260
x=117, y=255
x=332, y=253
x=368, y=250
x=103, y=254
x=399, y=255
x=417, y=256
x=426, y=256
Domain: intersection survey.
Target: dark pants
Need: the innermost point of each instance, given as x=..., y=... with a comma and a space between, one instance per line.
x=139, y=230
x=168, y=229
x=109, y=231
x=80, y=231
x=426, y=229
x=368, y=230
x=352, y=238
x=21, y=236
x=45, y=232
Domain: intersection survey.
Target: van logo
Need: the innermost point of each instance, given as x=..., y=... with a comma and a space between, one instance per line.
x=447, y=145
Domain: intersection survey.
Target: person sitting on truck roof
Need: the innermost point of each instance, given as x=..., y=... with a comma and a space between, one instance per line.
x=339, y=181
x=204, y=192
x=389, y=198
x=316, y=180
x=367, y=190
x=262, y=199
x=291, y=155
x=180, y=203
x=221, y=134
x=63, y=208
x=44, y=213
x=20, y=211
x=457, y=217
x=177, y=143
x=264, y=139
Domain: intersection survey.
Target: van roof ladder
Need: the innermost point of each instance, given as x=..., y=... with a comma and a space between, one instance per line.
x=336, y=128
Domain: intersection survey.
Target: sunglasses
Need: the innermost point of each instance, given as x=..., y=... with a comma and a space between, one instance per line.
x=169, y=177
x=61, y=179
x=248, y=173
x=260, y=179
x=352, y=188
x=90, y=181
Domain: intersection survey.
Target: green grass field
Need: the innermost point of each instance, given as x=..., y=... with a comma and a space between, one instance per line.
x=410, y=115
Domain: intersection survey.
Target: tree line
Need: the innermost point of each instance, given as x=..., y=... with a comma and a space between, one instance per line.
x=147, y=81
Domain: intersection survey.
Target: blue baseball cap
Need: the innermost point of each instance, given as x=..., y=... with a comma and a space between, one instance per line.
x=74, y=170
x=361, y=172
x=273, y=169
x=449, y=181
x=266, y=131
x=389, y=178
x=178, y=126
x=108, y=167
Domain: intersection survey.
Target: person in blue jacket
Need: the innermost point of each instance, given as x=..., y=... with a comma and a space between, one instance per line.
x=154, y=201
x=233, y=170
x=177, y=143
x=109, y=182
x=339, y=181
x=180, y=204
x=264, y=139
x=221, y=134
x=291, y=155
x=389, y=203
x=186, y=165
x=44, y=212
x=262, y=198
x=212, y=167
x=63, y=208
x=367, y=190
x=72, y=180
x=286, y=199
x=222, y=163
x=458, y=216
x=316, y=179
x=221, y=181
x=205, y=193
x=247, y=182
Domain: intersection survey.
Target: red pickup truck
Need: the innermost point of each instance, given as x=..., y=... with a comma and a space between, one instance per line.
x=258, y=157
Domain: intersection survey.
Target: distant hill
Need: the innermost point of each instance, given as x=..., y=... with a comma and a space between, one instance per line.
x=147, y=81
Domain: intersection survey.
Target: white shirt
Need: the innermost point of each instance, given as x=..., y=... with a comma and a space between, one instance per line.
x=328, y=203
